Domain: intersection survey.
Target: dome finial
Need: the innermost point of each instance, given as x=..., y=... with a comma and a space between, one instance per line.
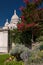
x=6, y=20
x=14, y=11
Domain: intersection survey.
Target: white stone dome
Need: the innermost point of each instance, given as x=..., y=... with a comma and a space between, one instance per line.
x=14, y=16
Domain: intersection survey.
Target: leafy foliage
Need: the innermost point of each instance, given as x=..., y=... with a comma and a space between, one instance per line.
x=41, y=47
x=20, y=52
x=31, y=22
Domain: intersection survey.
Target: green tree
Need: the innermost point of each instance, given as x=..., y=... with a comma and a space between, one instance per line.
x=31, y=23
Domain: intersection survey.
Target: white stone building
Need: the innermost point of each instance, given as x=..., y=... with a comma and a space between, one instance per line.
x=4, y=45
x=13, y=22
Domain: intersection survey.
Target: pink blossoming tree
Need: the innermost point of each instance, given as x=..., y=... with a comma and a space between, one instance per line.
x=29, y=27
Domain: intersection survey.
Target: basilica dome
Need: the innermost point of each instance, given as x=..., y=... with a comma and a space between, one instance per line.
x=13, y=22
x=14, y=16
x=6, y=24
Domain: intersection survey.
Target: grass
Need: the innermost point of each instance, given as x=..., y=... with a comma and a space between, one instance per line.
x=14, y=63
x=3, y=57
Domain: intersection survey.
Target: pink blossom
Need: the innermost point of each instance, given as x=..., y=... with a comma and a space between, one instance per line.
x=22, y=17
x=20, y=26
x=35, y=0
x=26, y=1
x=30, y=25
x=21, y=8
x=41, y=9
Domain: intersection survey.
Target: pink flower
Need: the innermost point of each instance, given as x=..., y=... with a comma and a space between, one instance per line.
x=26, y=1
x=22, y=17
x=35, y=0
x=41, y=9
x=30, y=25
x=21, y=8
x=20, y=26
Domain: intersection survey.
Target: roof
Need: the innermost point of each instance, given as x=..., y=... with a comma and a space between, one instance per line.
x=6, y=24
x=15, y=15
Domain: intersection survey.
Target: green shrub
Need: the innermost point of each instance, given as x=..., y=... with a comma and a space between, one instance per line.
x=25, y=55
x=40, y=38
x=41, y=47
x=36, y=56
x=40, y=54
x=20, y=51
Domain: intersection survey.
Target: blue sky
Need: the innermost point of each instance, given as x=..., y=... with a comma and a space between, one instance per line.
x=7, y=9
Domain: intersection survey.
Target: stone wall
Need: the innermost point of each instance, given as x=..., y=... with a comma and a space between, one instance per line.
x=3, y=41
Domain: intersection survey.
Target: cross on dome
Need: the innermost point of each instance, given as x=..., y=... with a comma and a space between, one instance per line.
x=15, y=17
x=14, y=12
x=6, y=20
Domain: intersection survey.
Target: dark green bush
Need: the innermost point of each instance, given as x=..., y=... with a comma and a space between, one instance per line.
x=41, y=47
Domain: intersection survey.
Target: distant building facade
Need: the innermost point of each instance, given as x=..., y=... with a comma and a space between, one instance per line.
x=4, y=44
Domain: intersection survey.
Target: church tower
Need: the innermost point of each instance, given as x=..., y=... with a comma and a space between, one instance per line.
x=14, y=21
